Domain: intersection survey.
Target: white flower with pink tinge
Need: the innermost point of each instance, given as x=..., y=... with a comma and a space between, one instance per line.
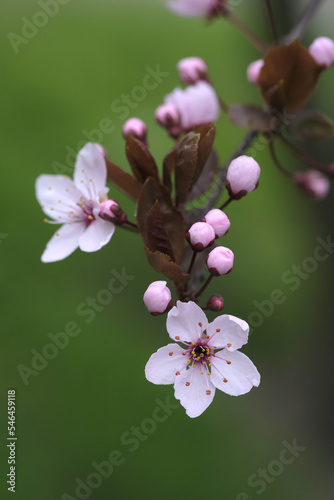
x=76, y=204
x=207, y=360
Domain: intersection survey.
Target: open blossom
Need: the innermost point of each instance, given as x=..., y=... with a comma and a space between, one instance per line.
x=76, y=204
x=194, y=8
x=197, y=104
x=208, y=358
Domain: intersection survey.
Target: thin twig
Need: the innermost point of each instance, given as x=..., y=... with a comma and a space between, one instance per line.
x=307, y=15
x=271, y=21
x=204, y=286
x=246, y=31
x=277, y=162
x=303, y=157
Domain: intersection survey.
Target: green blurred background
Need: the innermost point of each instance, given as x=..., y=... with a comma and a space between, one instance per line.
x=78, y=409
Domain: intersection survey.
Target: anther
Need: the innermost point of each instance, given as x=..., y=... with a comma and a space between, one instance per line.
x=229, y=345
x=177, y=373
x=171, y=353
x=208, y=392
x=177, y=338
x=187, y=384
x=228, y=362
x=200, y=324
x=217, y=330
x=225, y=380
x=184, y=354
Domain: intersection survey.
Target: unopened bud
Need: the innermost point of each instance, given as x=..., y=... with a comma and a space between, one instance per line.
x=254, y=70
x=158, y=298
x=313, y=183
x=242, y=176
x=322, y=50
x=220, y=261
x=215, y=303
x=111, y=211
x=192, y=69
x=169, y=117
x=218, y=220
x=137, y=127
x=200, y=236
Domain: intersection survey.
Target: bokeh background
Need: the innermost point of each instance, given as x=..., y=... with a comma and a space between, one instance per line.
x=86, y=402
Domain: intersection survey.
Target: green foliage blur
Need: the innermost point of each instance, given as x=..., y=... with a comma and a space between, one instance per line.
x=91, y=398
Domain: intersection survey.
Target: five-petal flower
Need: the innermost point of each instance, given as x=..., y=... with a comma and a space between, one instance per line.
x=76, y=205
x=208, y=359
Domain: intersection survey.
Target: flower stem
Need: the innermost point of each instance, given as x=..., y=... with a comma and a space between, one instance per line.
x=277, y=162
x=192, y=262
x=303, y=157
x=224, y=205
x=204, y=286
x=305, y=19
x=271, y=21
x=246, y=31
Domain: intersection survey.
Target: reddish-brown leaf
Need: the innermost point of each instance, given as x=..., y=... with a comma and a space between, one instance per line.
x=163, y=264
x=288, y=77
x=140, y=159
x=122, y=180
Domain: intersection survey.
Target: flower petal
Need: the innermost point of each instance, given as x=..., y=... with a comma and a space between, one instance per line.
x=236, y=369
x=194, y=390
x=97, y=234
x=186, y=322
x=57, y=195
x=192, y=8
x=232, y=332
x=90, y=171
x=63, y=242
x=162, y=366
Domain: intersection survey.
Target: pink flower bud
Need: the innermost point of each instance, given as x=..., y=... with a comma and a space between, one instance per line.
x=254, y=70
x=200, y=236
x=158, y=298
x=192, y=69
x=218, y=220
x=313, y=183
x=215, y=303
x=242, y=176
x=137, y=127
x=322, y=50
x=198, y=104
x=195, y=8
x=169, y=117
x=220, y=261
x=111, y=211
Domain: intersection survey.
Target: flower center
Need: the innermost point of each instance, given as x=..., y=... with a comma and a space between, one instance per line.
x=200, y=353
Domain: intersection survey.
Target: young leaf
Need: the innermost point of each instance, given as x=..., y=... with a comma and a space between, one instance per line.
x=252, y=117
x=289, y=74
x=185, y=165
x=172, y=219
x=140, y=159
x=311, y=125
x=163, y=264
x=122, y=180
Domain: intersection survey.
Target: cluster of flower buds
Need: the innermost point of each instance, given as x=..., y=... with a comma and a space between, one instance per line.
x=205, y=356
x=197, y=104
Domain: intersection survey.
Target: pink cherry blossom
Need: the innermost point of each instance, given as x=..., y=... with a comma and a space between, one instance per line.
x=158, y=298
x=76, y=204
x=314, y=183
x=197, y=104
x=194, y=8
x=207, y=359
x=322, y=50
x=192, y=70
x=137, y=127
x=218, y=220
x=200, y=236
x=254, y=70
